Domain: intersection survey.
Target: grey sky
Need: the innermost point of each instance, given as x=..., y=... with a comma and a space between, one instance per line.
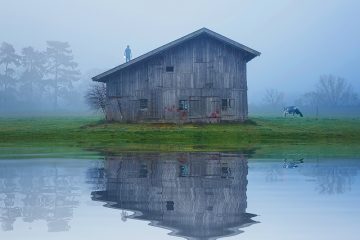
x=299, y=40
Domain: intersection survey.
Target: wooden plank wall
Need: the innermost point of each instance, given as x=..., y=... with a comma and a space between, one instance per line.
x=205, y=69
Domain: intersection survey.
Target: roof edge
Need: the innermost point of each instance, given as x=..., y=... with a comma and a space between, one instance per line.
x=101, y=77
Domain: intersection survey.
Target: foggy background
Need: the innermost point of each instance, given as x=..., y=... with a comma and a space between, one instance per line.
x=299, y=40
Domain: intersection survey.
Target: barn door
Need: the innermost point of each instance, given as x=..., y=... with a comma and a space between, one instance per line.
x=156, y=104
x=195, y=109
x=213, y=108
x=114, y=109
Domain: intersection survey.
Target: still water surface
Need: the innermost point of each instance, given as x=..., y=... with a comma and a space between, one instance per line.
x=179, y=196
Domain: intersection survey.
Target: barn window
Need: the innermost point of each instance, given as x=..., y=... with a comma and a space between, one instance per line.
x=143, y=104
x=183, y=105
x=226, y=104
x=209, y=85
x=169, y=68
x=184, y=171
x=143, y=172
x=210, y=208
x=170, y=205
x=225, y=172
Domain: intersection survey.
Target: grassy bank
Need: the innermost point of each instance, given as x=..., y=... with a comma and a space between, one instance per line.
x=264, y=134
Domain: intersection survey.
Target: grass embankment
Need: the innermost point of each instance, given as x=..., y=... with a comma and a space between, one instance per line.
x=267, y=135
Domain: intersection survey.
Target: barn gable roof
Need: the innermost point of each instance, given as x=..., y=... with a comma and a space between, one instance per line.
x=252, y=53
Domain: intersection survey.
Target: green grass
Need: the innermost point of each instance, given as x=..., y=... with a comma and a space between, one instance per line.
x=265, y=135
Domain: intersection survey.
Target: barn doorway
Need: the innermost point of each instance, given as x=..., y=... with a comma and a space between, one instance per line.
x=156, y=104
x=114, y=109
x=195, y=108
x=213, y=108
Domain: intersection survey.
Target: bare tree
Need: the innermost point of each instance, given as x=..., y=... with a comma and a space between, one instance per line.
x=273, y=97
x=331, y=91
x=96, y=97
x=335, y=91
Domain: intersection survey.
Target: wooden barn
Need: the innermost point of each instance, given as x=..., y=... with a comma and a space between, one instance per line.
x=200, y=77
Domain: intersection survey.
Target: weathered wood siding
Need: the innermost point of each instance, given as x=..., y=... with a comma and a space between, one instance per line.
x=205, y=71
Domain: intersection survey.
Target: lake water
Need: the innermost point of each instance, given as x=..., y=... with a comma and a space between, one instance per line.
x=179, y=196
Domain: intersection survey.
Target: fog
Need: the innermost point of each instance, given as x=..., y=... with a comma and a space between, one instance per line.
x=299, y=40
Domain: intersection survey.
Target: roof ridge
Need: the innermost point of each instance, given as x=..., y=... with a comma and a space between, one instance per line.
x=173, y=43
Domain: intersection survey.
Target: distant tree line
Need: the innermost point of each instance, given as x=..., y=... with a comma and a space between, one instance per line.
x=330, y=91
x=273, y=98
x=34, y=78
x=330, y=94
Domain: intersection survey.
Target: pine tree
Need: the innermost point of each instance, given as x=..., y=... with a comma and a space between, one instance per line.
x=61, y=69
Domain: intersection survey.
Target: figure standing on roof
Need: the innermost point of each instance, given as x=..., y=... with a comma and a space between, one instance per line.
x=127, y=54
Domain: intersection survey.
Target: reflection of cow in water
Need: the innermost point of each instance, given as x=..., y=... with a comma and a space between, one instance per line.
x=292, y=110
x=292, y=163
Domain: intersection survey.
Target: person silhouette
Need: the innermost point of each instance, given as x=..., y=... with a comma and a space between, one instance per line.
x=127, y=54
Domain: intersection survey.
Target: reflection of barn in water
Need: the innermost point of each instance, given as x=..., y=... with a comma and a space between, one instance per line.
x=197, y=196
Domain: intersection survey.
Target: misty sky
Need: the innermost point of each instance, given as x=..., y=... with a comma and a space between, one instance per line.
x=299, y=40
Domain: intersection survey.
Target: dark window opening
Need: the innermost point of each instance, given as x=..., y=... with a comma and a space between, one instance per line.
x=143, y=173
x=183, y=105
x=227, y=104
x=184, y=171
x=224, y=104
x=170, y=205
x=143, y=104
x=209, y=85
x=225, y=172
x=169, y=68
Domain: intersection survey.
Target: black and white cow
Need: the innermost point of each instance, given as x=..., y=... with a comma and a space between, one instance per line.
x=292, y=110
